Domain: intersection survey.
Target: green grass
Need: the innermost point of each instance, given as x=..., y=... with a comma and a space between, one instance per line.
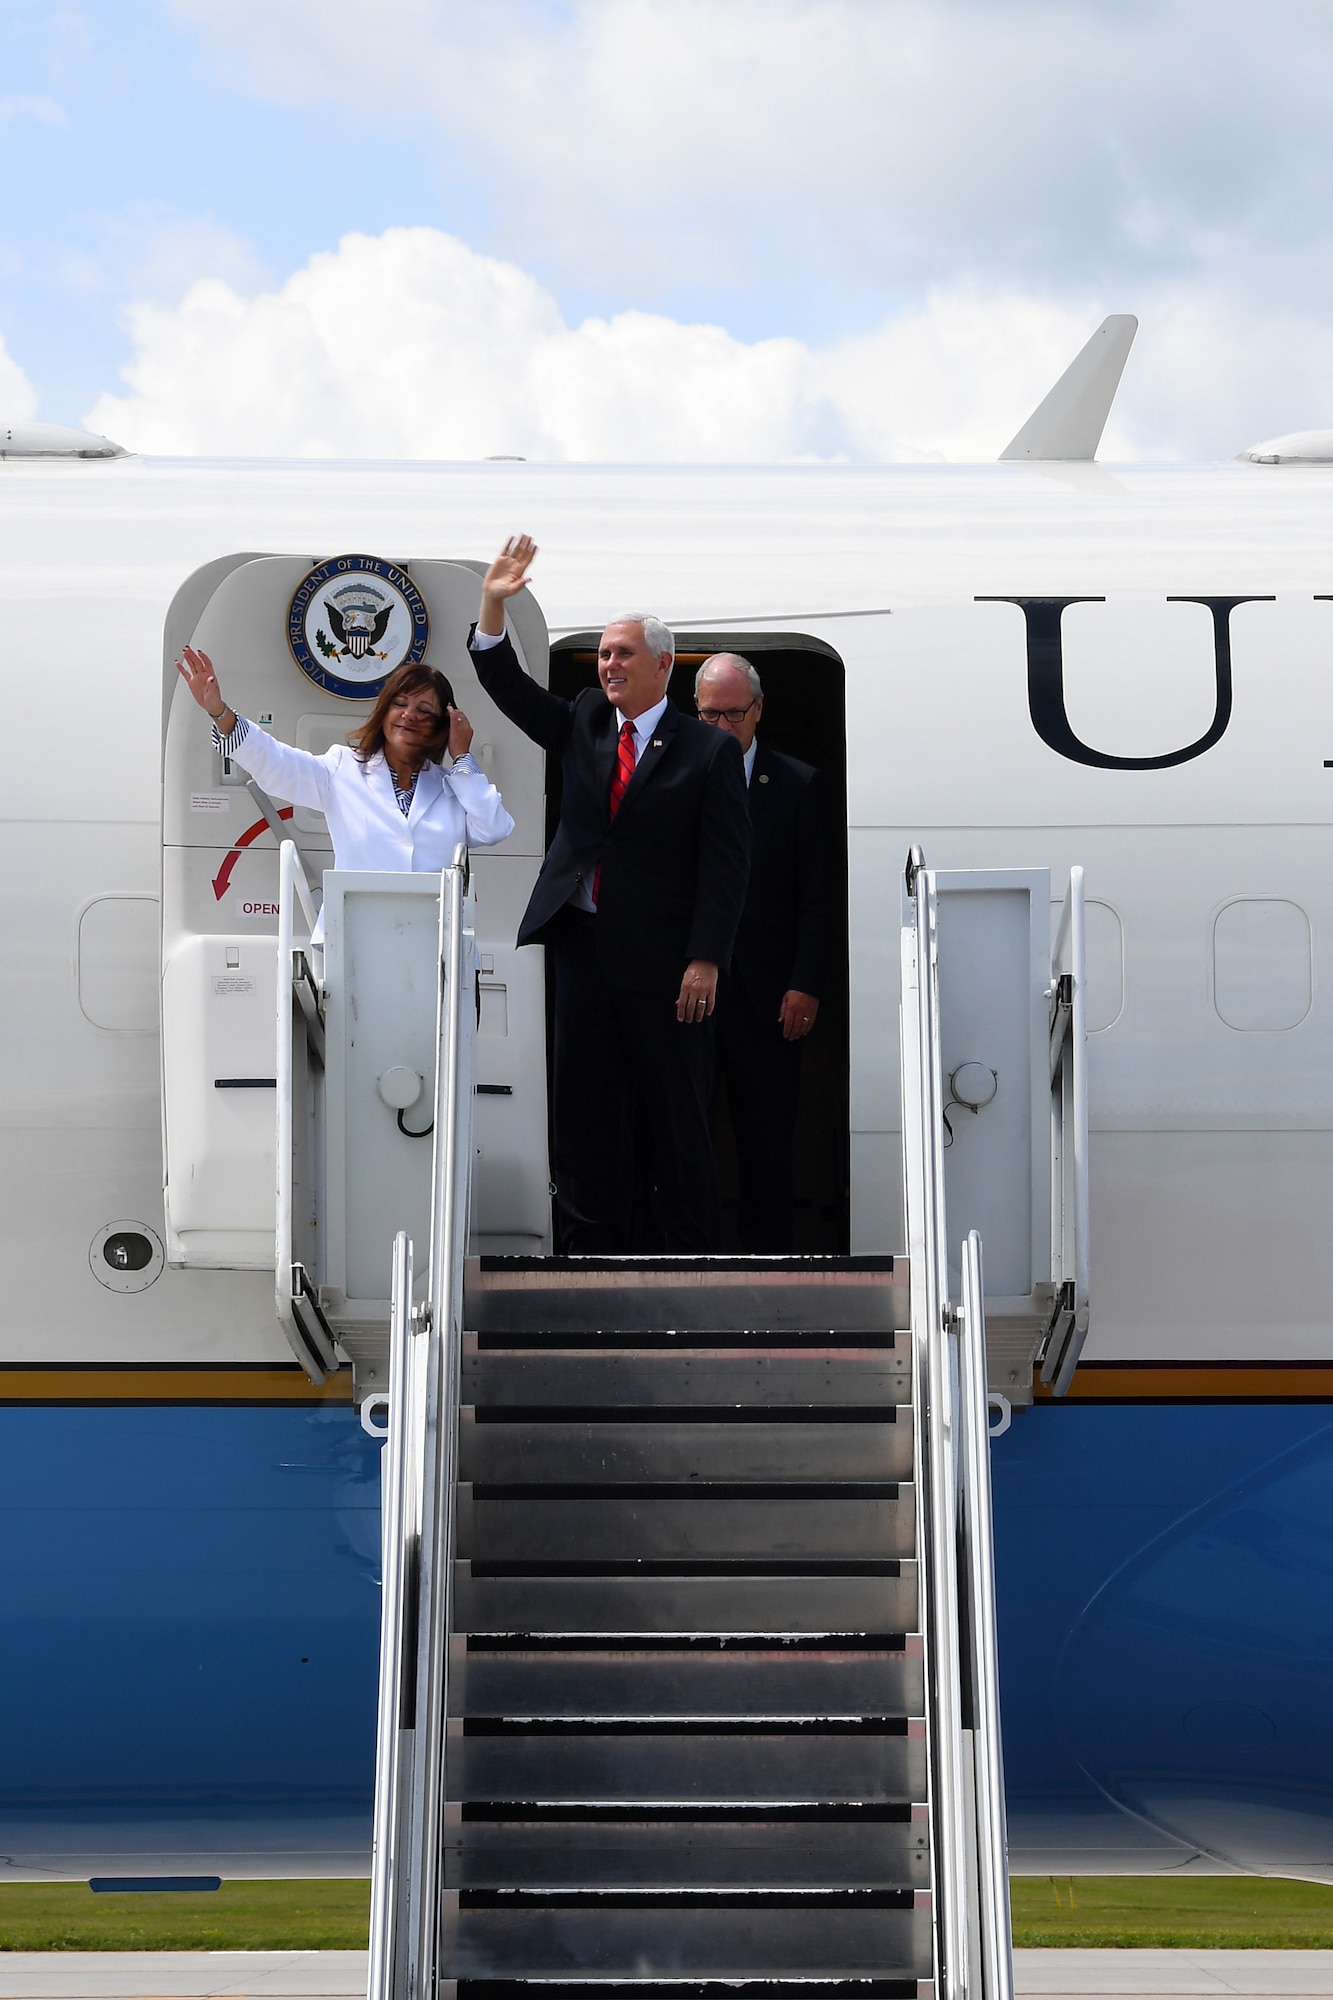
x=1198, y=1911
x=1123, y=1910
x=240, y=1916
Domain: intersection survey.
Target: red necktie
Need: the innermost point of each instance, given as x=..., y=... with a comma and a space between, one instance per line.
x=626, y=757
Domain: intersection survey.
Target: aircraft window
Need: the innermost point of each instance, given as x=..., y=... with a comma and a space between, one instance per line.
x=1263, y=980
x=804, y=716
x=118, y=958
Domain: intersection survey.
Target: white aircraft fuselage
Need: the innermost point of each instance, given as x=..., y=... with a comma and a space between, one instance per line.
x=1045, y=665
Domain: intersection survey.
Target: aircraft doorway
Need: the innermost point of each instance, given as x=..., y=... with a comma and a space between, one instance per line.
x=804, y=716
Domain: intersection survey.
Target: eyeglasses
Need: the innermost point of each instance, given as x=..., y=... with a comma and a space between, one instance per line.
x=735, y=716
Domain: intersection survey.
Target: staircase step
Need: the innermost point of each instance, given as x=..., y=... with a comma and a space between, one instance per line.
x=846, y=1376
x=728, y=1602
x=545, y=1294
x=676, y=1763
x=496, y=1522
x=695, y=1989
x=723, y=1449
x=796, y=1339
x=488, y=1677
x=725, y=1853
x=707, y=1935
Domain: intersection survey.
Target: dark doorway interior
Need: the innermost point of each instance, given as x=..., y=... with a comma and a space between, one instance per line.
x=805, y=716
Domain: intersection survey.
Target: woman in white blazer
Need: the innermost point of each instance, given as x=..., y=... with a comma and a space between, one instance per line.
x=388, y=801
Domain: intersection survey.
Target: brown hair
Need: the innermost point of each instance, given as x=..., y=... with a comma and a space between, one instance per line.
x=368, y=740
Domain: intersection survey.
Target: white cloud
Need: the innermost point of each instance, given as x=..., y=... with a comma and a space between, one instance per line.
x=1049, y=144
x=969, y=183
x=17, y=106
x=18, y=398
x=412, y=345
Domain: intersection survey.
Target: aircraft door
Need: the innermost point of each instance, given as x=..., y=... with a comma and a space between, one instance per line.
x=804, y=716
x=1013, y=1076
x=220, y=901
x=994, y=967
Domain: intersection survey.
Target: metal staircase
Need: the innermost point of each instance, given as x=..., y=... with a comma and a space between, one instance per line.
x=687, y=1731
x=688, y=1678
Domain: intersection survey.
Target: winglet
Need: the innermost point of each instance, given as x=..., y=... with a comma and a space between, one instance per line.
x=1068, y=423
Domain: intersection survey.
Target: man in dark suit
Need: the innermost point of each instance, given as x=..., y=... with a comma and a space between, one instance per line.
x=768, y=1002
x=638, y=901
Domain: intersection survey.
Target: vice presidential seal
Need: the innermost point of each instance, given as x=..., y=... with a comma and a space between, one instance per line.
x=352, y=620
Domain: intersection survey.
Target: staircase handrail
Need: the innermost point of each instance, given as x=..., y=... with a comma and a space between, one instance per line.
x=417, y=1496
x=400, y=1523
x=450, y=1179
x=1069, y=1084
x=934, y=1408
x=977, y=1528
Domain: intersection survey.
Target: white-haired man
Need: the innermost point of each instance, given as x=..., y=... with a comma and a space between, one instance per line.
x=768, y=1001
x=638, y=901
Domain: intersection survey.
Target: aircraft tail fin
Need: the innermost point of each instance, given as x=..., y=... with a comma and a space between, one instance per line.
x=1069, y=421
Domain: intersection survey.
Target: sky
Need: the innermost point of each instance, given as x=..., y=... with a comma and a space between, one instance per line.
x=734, y=230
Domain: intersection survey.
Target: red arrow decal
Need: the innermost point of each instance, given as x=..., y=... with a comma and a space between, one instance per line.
x=222, y=879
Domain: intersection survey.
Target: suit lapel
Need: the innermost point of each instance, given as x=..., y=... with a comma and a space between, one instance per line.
x=380, y=780
x=429, y=784
x=604, y=756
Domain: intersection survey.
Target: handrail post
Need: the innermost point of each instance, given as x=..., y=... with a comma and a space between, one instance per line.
x=449, y=1183
x=933, y=1392
x=1070, y=1188
x=396, y=1554
x=287, y=864
x=978, y=1535
x=310, y=1338
x=1078, y=1057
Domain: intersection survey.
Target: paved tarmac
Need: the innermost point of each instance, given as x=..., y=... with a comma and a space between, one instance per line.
x=1156, y=1975
x=182, y=1975
x=341, y=1975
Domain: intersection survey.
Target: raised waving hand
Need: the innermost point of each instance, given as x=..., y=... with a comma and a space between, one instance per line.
x=503, y=580
x=196, y=670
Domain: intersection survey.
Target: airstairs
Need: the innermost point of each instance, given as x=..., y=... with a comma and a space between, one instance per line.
x=688, y=1671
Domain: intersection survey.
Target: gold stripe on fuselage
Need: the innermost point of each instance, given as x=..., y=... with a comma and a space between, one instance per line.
x=1094, y=1382
x=133, y=1383
x=1198, y=1382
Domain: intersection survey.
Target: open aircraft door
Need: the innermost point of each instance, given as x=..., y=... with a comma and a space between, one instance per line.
x=230, y=1002
x=1013, y=1050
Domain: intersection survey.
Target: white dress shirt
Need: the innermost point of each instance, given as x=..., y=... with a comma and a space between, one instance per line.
x=644, y=725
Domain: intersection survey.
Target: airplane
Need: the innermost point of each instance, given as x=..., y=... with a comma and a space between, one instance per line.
x=1038, y=666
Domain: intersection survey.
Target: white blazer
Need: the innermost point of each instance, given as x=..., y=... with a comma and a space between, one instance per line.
x=368, y=826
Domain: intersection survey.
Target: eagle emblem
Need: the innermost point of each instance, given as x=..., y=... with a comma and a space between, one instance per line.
x=359, y=615
x=352, y=620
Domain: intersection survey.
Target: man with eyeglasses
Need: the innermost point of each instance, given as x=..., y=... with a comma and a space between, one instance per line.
x=768, y=1002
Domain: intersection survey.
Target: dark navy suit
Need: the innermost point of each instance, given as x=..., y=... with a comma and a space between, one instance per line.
x=782, y=945
x=674, y=864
